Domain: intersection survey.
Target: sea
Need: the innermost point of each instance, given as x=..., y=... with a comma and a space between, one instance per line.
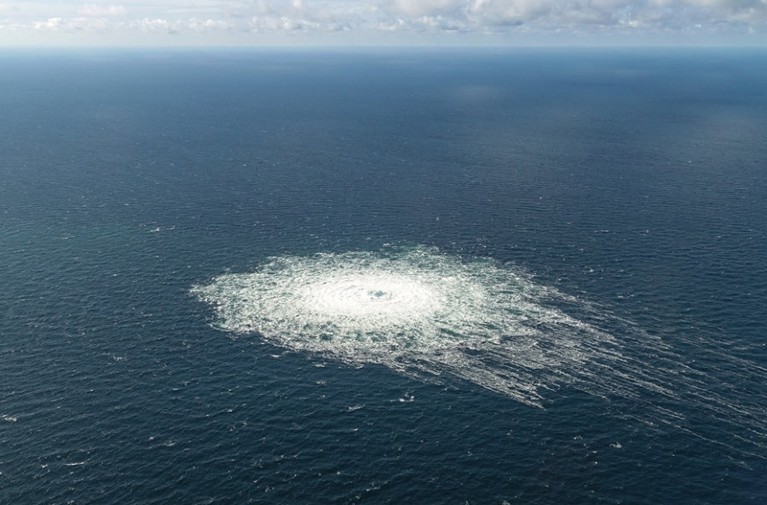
x=383, y=276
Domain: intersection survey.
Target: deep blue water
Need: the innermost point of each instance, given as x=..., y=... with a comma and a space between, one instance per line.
x=634, y=181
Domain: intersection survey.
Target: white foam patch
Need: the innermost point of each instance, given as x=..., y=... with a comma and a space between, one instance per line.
x=433, y=316
x=416, y=311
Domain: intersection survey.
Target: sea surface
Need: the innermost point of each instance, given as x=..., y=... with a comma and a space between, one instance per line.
x=383, y=277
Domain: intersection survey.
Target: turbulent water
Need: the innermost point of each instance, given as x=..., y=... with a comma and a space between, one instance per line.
x=428, y=314
x=383, y=277
x=417, y=311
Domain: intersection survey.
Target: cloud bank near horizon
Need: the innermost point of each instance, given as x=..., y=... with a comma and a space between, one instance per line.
x=378, y=21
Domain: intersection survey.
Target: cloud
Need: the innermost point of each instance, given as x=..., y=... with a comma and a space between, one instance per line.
x=50, y=24
x=508, y=13
x=191, y=25
x=70, y=25
x=427, y=8
x=207, y=25
x=495, y=20
x=152, y=25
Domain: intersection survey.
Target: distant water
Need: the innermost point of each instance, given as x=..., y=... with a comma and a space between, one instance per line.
x=395, y=277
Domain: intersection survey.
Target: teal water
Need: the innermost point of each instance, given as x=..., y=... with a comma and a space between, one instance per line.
x=560, y=258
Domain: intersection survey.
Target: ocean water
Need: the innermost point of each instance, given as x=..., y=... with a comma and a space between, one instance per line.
x=438, y=277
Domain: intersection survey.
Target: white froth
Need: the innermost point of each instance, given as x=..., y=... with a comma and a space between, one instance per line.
x=363, y=296
x=415, y=310
x=432, y=316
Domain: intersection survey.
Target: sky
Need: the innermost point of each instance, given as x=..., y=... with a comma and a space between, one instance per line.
x=173, y=23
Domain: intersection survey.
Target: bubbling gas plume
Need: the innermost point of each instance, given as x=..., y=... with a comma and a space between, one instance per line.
x=434, y=316
x=419, y=312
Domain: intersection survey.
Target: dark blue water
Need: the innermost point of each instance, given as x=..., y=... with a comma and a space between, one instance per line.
x=632, y=181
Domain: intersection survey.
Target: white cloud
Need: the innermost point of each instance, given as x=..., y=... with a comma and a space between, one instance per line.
x=489, y=20
x=510, y=13
x=152, y=25
x=418, y=8
x=207, y=25
x=51, y=24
